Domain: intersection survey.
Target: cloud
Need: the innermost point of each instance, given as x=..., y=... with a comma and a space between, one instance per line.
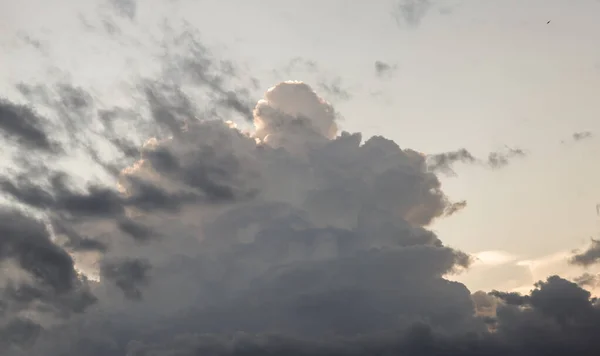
x=283, y=237
x=588, y=257
x=443, y=162
x=23, y=126
x=335, y=89
x=383, y=69
x=127, y=8
x=299, y=63
x=501, y=159
x=332, y=86
x=578, y=136
x=588, y=280
x=291, y=205
x=411, y=12
x=129, y=275
x=455, y=207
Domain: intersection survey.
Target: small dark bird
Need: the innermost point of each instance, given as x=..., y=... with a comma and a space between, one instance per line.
x=548, y=22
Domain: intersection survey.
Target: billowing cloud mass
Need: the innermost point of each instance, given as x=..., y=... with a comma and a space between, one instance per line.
x=286, y=237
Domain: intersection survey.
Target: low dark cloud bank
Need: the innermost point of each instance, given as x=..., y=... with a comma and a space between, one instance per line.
x=288, y=237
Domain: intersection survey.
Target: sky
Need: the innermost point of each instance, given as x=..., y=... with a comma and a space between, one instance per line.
x=511, y=78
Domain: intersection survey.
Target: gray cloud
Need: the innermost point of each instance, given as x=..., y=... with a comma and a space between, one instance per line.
x=331, y=220
x=129, y=275
x=332, y=86
x=39, y=277
x=588, y=280
x=383, y=69
x=501, y=159
x=455, y=207
x=411, y=12
x=335, y=89
x=443, y=162
x=23, y=126
x=287, y=238
x=127, y=8
x=578, y=136
x=299, y=63
x=589, y=256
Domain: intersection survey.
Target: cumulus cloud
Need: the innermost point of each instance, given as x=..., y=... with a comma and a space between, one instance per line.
x=286, y=237
x=293, y=207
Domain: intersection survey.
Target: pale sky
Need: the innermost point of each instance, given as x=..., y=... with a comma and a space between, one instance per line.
x=477, y=74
